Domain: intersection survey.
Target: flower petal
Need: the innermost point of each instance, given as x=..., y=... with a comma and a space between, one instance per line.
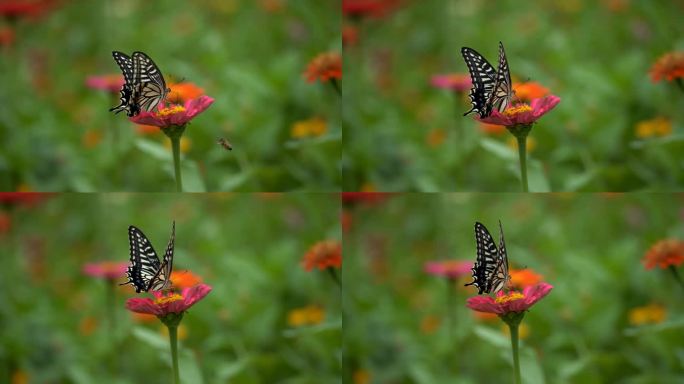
x=496, y=118
x=194, y=107
x=484, y=304
x=541, y=106
x=143, y=305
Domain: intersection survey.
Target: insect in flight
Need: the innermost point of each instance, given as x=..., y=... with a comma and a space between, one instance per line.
x=144, y=86
x=146, y=272
x=225, y=144
x=491, y=89
x=490, y=272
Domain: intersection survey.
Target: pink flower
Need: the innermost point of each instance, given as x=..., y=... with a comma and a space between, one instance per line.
x=109, y=270
x=109, y=83
x=454, y=81
x=452, y=269
x=172, y=302
x=511, y=302
x=523, y=114
x=175, y=114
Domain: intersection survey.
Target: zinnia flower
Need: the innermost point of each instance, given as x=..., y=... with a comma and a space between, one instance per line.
x=664, y=254
x=111, y=83
x=514, y=301
x=323, y=255
x=522, y=278
x=169, y=303
x=175, y=115
x=669, y=67
x=456, y=82
x=109, y=270
x=181, y=92
x=324, y=67
x=451, y=269
x=185, y=279
x=523, y=114
x=529, y=91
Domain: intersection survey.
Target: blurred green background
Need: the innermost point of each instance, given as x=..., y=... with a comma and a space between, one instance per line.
x=58, y=135
x=53, y=318
x=588, y=246
x=402, y=134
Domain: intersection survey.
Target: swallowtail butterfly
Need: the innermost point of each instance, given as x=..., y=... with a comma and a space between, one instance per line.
x=490, y=272
x=491, y=89
x=146, y=272
x=144, y=85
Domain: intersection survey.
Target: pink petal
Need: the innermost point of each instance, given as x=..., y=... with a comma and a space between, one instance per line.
x=143, y=305
x=497, y=118
x=196, y=106
x=544, y=105
x=484, y=304
x=148, y=118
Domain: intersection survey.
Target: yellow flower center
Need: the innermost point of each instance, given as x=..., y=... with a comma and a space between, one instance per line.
x=522, y=108
x=510, y=297
x=171, y=110
x=168, y=299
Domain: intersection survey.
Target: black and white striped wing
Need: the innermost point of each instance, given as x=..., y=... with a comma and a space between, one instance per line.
x=151, y=86
x=145, y=265
x=487, y=260
x=500, y=277
x=502, y=92
x=484, y=79
x=126, y=97
x=163, y=279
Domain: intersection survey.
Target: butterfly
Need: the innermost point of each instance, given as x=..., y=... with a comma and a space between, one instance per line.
x=146, y=272
x=490, y=272
x=144, y=86
x=491, y=89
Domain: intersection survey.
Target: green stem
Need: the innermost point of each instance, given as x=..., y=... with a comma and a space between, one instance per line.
x=173, y=339
x=175, y=132
x=516, y=359
x=334, y=276
x=680, y=83
x=676, y=275
x=522, y=153
x=336, y=86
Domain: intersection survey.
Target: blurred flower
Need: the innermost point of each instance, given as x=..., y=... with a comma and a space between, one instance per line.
x=665, y=253
x=512, y=301
x=91, y=138
x=110, y=270
x=309, y=315
x=649, y=314
x=110, y=83
x=25, y=196
x=185, y=144
x=272, y=6
x=351, y=198
x=492, y=128
x=485, y=316
x=521, y=278
x=368, y=8
x=530, y=145
x=429, y=324
x=350, y=35
x=312, y=127
x=185, y=279
x=669, y=67
x=24, y=8
x=451, y=269
x=323, y=255
x=20, y=377
x=436, y=137
x=658, y=126
x=143, y=317
x=7, y=36
x=175, y=114
x=87, y=325
x=169, y=303
x=529, y=91
x=346, y=219
x=523, y=114
x=324, y=67
x=5, y=222
x=616, y=5
x=147, y=129
x=361, y=376
x=456, y=82
x=182, y=92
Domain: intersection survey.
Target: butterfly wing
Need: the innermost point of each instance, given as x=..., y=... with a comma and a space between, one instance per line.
x=502, y=93
x=484, y=79
x=144, y=261
x=486, y=263
x=500, y=275
x=163, y=278
x=126, y=97
x=150, y=82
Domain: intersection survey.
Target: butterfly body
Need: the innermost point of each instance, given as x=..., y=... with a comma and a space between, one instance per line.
x=491, y=88
x=146, y=271
x=490, y=272
x=144, y=85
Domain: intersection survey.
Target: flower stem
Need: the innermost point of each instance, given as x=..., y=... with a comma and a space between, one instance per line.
x=173, y=339
x=680, y=83
x=676, y=275
x=514, y=344
x=334, y=276
x=174, y=133
x=522, y=153
x=336, y=86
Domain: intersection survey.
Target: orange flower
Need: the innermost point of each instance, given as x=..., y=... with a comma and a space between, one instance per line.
x=272, y=6
x=185, y=279
x=324, y=67
x=492, y=128
x=323, y=255
x=312, y=127
x=181, y=92
x=665, y=253
x=361, y=377
x=652, y=313
x=147, y=129
x=143, y=317
x=91, y=138
x=350, y=35
x=529, y=91
x=309, y=315
x=669, y=66
x=429, y=324
x=436, y=137
x=7, y=36
x=522, y=278
x=659, y=126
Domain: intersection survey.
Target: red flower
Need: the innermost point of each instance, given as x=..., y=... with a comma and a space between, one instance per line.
x=523, y=114
x=111, y=83
x=324, y=67
x=25, y=8
x=452, y=269
x=323, y=255
x=109, y=270
x=454, y=81
x=364, y=197
x=26, y=198
x=171, y=302
x=174, y=115
x=510, y=302
x=669, y=67
x=7, y=36
x=372, y=8
x=664, y=254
